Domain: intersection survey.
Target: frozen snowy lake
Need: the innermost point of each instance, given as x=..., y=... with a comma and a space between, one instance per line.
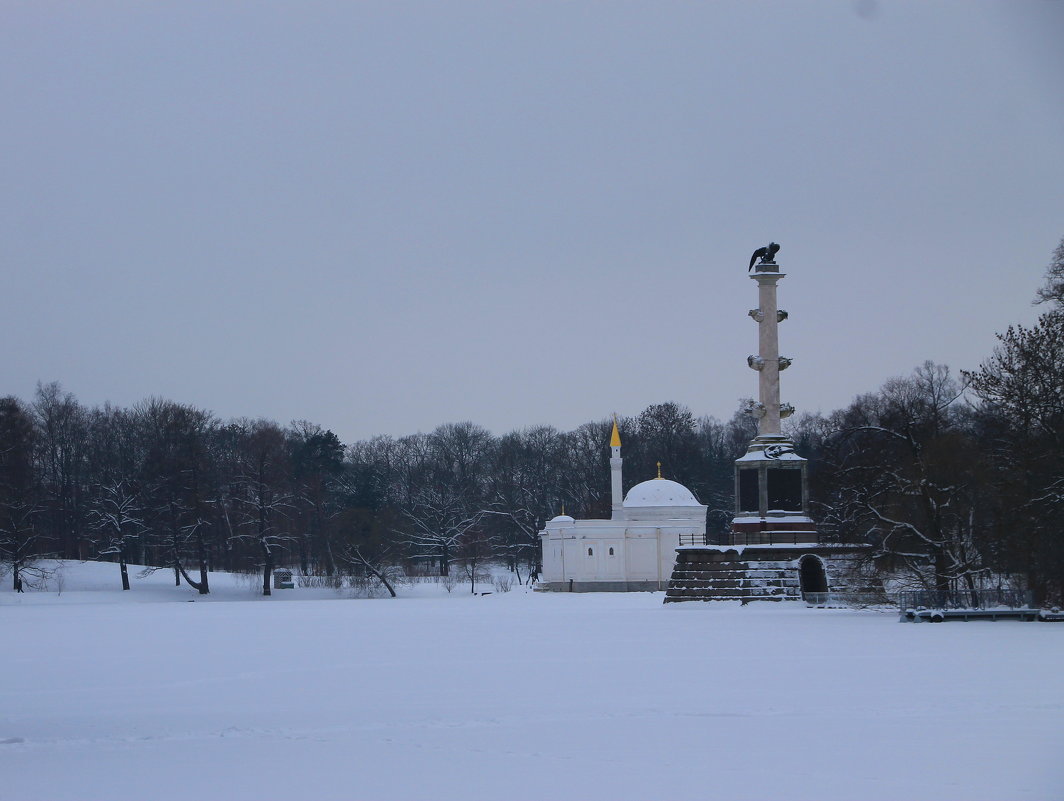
x=110, y=695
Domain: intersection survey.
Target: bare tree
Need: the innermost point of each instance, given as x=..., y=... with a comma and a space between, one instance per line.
x=434, y=526
x=475, y=549
x=443, y=496
x=118, y=518
x=586, y=479
x=19, y=505
x=1052, y=291
x=177, y=478
x=368, y=548
x=265, y=493
x=61, y=428
x=905, y=474
x=524, y=486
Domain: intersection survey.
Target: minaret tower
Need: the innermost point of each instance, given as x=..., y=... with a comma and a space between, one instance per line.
x=771, y=486
x=616, y=487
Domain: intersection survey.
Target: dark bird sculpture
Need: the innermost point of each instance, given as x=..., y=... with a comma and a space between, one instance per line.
x=766, y=254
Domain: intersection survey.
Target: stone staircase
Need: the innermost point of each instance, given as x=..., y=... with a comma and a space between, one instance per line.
x=764, y=572
x=715, y=575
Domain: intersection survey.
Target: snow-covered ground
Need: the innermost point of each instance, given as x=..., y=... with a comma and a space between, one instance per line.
x=137, y=695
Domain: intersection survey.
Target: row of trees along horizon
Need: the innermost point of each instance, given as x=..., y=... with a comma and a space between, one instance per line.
x=957, y=478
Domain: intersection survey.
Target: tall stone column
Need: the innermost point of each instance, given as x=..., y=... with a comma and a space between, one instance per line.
x=768, y=358
x=774, y=552
x=771, y=484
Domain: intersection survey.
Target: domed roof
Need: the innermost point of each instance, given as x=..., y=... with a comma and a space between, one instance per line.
x=561, y=519
x=660, y=492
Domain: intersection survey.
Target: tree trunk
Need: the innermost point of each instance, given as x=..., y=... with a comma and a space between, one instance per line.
x=970, y=581
x=122, y=567
x=204, y=587
x=200, y=588
x=330, y=562
x=16, y=573
x=175, y=545
x=377, y=574
x=1037, y=586
x=385, y=582
x=942, y=583
x=267, y=569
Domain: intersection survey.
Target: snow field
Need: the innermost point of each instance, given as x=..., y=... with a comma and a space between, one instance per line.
x=518, y=695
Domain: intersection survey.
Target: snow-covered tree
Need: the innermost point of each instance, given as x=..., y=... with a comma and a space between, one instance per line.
x=367, y=548
x=19, y=497
x=265, y=497
x=117, y=517
x=524, y=485
x=178, y=481
x=905, y=474
x=1052, y=290
x=442, y=492
x=61, y=440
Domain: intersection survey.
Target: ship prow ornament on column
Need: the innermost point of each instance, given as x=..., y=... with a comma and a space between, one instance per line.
x=774, y=552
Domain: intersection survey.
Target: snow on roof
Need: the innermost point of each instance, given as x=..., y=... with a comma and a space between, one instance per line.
x=660, y=492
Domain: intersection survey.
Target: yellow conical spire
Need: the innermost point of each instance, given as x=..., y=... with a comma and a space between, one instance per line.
x=615, y=437
x=659, y=469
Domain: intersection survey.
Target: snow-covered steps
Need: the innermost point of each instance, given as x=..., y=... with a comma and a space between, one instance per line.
x=768, y=572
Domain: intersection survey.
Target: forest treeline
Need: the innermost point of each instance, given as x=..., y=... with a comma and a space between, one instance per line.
x=958, y=478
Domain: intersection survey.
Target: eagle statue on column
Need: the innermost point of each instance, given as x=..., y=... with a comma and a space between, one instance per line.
x=767, y=255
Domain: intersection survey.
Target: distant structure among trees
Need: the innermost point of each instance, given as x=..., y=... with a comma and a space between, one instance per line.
x=633, y=549
x=956, y=481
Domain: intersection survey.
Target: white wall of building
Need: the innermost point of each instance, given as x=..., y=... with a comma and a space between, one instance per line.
x=639, y=549
x=635, y=549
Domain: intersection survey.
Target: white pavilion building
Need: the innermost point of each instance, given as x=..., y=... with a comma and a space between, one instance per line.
x=634, y=550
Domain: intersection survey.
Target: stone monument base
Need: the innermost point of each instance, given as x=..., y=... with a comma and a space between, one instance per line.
x=815, y=572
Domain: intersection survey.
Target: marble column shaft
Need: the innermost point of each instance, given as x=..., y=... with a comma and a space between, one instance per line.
x=769, y=351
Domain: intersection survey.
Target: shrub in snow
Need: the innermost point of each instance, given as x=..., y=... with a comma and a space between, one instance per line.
x=334, y=582
x=502, y=582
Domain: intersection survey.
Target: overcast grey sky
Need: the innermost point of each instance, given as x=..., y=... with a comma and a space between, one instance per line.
x=385, y=216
